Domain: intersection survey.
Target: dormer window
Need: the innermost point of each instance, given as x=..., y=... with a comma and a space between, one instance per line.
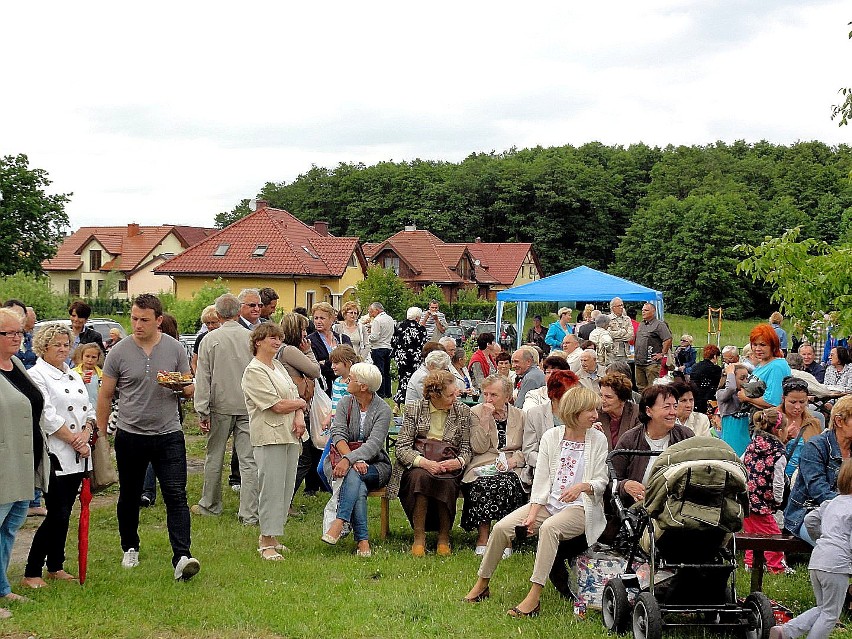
x=221, y=250
x=260, y=250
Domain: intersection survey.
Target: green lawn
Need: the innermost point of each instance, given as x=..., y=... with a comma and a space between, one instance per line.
x=318, y=591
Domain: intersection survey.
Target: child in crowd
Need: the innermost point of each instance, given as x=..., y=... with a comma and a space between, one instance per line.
x=735, y=416
x=830, y=565
x=765, y=460
x=88, y=359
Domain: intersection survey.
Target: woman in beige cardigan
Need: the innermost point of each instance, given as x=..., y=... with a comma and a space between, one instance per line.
x=566, y=500
x=492, y=485
x=276, y=424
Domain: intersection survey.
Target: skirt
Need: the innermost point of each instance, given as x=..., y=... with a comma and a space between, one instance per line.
x=490, y=499
x=438, y=490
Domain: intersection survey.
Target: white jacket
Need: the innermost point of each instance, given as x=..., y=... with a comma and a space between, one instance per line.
x=595, y=474
x=66, y=401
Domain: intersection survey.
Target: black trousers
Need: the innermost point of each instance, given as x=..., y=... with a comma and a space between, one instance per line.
x=167, y=454
x=381, y=359
x=307, y=468
x=49, y=541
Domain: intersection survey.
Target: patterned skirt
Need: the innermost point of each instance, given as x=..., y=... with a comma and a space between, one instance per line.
x=490, y=499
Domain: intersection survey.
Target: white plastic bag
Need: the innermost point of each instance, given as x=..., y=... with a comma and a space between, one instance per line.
x=320, y=413
x=329, y=514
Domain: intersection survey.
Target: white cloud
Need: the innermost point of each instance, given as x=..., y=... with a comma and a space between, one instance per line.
x=168, y=112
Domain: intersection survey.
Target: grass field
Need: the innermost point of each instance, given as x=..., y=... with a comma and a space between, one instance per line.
x=318, y=591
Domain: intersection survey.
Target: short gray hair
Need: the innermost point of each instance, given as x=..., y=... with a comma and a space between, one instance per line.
x=591, y=352
x=46, y=334
x=602, y=320
x=447, y=341
x=437, y=360
x=367, y=374
x=209, y=313
x=504, y=382
x=529, y=353
x=795, y=361
x=246, y=292
x=228, y=306
x=378, y=306
x=414, y=313
x=730, y=348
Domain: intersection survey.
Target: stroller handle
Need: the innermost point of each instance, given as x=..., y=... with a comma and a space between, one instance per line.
x=626, y=452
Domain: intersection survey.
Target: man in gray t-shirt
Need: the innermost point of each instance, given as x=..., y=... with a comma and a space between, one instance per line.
x=149, y=430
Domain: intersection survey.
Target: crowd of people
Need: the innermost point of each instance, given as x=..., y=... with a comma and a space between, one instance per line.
x=522, y=437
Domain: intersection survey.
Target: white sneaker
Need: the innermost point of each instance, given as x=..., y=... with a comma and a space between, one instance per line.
x=186, y=568
x=130, y=559
x=479, y=550
x=507, y=552
x=236, y=487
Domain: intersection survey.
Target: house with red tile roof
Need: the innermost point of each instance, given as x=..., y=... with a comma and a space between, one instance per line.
x=89, y=255
x=420, y=258
x=270, y=247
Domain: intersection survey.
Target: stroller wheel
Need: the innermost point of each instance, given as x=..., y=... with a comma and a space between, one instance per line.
x=615, y=607
x=760, y=616
x=647, y=618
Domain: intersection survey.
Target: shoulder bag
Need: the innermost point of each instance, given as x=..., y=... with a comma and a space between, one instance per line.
x=334, y=455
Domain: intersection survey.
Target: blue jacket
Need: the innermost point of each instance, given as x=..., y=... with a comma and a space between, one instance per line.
x=817, y=479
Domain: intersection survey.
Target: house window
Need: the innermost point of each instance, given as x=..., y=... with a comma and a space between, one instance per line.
x=391, y=263
x=74, y=288
x=122, y=286
x=310, y=299
x=100, y=286
x=221, y=250
x=260, y=250
x=353, y=262
x=94, y=260
x=87, y=288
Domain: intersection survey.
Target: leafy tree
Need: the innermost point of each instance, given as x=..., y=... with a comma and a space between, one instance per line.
x=224, y=219
x=34, y=290
x=428, y=293
x=809, y=277
x=385, y=286
x=844, y=109
x=31, y=221
x=188, y=312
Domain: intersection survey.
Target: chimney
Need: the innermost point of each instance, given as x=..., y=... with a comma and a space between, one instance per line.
x=411, y=227
x=132, y=229
x=321, y=227
x=261, y=204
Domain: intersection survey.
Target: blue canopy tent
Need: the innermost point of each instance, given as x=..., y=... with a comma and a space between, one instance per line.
x=581, y=284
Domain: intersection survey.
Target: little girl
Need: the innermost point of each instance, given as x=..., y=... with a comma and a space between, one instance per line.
x=765, y=460
x=735, y=416
x=88, y=359
x=830, y=565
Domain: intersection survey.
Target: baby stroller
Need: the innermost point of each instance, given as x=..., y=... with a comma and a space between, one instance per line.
x=679, y=569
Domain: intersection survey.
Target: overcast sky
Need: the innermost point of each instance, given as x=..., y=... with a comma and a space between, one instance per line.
x=170, y=112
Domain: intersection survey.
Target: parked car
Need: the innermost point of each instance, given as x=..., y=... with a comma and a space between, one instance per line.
x=188, y=341
x=100, y=324
x=484, y=327
x=456, y=332
x=468, y=326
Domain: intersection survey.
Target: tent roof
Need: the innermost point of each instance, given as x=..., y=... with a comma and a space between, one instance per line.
x=579, y=284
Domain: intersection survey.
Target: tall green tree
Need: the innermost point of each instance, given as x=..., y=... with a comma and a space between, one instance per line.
x=385, y=286
x=31, y=221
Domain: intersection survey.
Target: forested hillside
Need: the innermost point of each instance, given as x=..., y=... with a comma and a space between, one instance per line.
x=668, y=218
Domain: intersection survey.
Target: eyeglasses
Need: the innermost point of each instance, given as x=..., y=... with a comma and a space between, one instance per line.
x=793, y=384
x=12, y=333
x=61, y=345
x=252, y=304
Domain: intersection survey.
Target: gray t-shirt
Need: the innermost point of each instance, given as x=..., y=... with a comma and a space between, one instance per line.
x=145, y=407
x=649, y=340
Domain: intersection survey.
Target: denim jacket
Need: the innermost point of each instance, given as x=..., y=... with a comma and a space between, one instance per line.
x=817, y=479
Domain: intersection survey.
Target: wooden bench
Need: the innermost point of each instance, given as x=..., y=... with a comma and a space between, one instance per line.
x=759, y=543
x=385, y=516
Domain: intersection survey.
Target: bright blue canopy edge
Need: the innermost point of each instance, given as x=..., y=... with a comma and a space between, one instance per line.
x=581, y=284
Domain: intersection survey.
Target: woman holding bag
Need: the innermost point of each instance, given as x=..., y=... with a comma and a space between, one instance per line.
x=432, y=449
x=358, y=455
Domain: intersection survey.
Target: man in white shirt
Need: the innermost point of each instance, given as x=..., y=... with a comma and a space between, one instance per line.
x=571, y=346
x=250, y=308
x=381, y=332
x=434, y=321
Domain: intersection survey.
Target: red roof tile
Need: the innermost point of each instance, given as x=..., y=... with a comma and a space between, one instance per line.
x=293, y=248
x=502, y=260
x=126, y=250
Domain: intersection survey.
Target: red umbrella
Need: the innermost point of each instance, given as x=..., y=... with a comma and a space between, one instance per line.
x=83, y=529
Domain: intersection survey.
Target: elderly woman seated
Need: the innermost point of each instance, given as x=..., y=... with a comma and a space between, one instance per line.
x=658, y=430
x=358, y=436
x=492, y=482
x=618, y=411
x=687, y=416
x=435, y=358
x=432, y=449
x=819, y=464
x=566, y=500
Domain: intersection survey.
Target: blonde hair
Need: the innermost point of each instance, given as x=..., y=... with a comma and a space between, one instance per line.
x=842, y=409
x=77, y=357
x=436, y=382
x=325, y=308
x=576, y=400
x=771, y=420
x=46, y=334
x=292, y=324
x=351, y=304
x=844, y=478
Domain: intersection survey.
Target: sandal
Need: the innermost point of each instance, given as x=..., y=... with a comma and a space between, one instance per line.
x=34, y=582
x=517, y=613
x=61, y=575
x=275, y=556
x=482, y=596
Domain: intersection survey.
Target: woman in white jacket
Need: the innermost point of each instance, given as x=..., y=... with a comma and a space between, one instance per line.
x=566, y=500
x=68, y=422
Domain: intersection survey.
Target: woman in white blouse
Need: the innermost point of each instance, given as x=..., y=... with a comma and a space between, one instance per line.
x=68, y=421
x=276, y=425
x=566, y=500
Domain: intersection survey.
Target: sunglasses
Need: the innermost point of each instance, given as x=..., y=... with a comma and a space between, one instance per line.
x=252, y=304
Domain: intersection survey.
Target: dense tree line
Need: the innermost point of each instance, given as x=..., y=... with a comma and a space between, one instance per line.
x=668, y=218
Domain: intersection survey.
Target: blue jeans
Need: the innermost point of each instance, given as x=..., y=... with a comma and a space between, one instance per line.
x=149, y=488
x=36, y=502
x=167, y=454
x=352, y=499
x=12, y=515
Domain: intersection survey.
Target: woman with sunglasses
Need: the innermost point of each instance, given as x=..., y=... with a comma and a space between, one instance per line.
x=839, y=370
x=801, y=425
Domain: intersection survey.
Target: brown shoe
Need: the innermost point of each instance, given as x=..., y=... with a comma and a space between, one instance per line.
x=33, y=582
x=444, y=550
x=418, y=550
x=61, y=575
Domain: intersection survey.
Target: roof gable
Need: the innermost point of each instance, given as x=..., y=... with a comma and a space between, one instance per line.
x=502, y=260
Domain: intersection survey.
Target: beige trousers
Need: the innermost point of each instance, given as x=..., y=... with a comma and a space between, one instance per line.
x=276, y=473
x=567, y=524
x=645, y=375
